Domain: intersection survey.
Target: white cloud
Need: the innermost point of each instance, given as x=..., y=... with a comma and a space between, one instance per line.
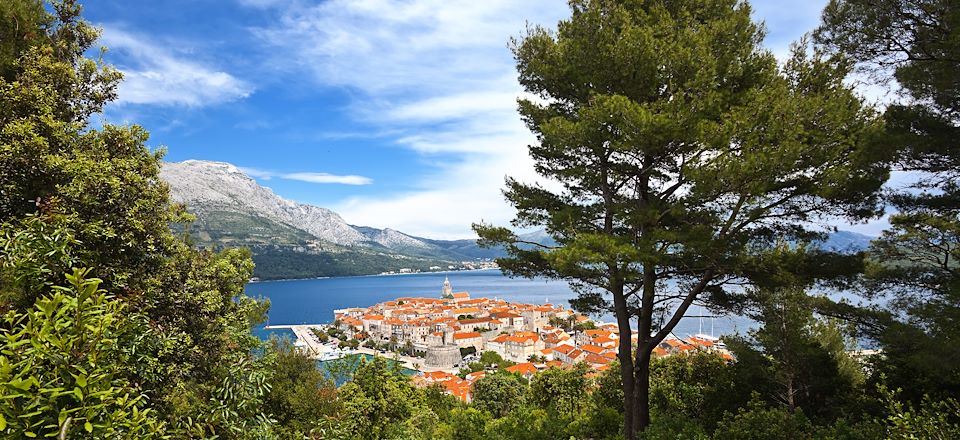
x=439, y=76
x=308, y=177
x=156, y=75
x=257, y=173
x=328, y=178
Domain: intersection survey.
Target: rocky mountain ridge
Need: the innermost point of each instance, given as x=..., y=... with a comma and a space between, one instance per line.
x=292, y=240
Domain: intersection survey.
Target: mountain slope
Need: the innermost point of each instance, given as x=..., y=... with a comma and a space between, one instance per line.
x=296, y=240
x=214, y=189
x=288, y=239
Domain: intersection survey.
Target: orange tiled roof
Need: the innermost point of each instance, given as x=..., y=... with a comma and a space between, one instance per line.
x=466, y=335
x=700, y=341
x=596, y=359
x=500, y=339
x=589, y=348
x=673, y=342
x=523, y=369
x=438, y=376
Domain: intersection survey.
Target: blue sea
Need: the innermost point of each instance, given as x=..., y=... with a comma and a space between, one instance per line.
x=312, y=301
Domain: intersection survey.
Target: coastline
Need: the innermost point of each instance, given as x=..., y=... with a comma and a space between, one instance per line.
x=372, y=275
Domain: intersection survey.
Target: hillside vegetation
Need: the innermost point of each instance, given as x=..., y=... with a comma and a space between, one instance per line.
x=682, y=151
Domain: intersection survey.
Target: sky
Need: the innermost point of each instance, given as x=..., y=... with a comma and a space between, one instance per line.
x=397, y=114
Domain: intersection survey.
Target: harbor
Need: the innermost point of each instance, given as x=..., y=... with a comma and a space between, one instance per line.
x=307, y=341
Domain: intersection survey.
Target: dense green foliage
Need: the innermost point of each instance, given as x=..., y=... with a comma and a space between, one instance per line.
x=682, y=152
x=914, y=269
x=159, y=343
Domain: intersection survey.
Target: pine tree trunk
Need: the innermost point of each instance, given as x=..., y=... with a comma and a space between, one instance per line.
x=625, y=355
x=645, y=345
x=626, y=375
x=642, y=390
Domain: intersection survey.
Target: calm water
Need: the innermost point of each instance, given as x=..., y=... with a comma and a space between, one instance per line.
x=343, y=368
x=313, y=301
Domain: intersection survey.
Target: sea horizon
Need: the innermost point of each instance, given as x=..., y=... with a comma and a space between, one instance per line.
x=313, y=300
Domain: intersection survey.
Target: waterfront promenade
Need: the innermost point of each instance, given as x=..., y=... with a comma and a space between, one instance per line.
x=316, y=349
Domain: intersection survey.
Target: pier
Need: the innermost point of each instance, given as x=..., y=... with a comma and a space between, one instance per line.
x=315, y=349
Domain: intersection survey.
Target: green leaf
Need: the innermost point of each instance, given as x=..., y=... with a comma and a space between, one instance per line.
x=88, y=426
x=3, y=423
x=30, y=434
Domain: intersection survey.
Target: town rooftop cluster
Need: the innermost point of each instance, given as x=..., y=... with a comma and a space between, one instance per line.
x=531, y=335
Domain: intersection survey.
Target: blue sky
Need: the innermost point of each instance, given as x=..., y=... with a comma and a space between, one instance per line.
x=394, y=114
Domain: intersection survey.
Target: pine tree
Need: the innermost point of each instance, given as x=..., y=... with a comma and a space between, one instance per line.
x=677, y=151
x=914, y=268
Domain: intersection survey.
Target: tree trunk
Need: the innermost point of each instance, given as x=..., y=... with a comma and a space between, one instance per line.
x=645, y=344
x=626, y=359
x=642, y=389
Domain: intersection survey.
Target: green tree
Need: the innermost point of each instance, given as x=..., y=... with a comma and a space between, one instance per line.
x=380, y=402
x=757, y=421
x=680, y=151
x=22, y=24
x=73, y=196
x=498, y=393
x=797, y=360
x=62, y=367
x=563, y=391
x=301, y=398
x=491, y=358
x=468, y=424
x=527, y=423
x=931, y=419
x=695, y=388
x=913, y=268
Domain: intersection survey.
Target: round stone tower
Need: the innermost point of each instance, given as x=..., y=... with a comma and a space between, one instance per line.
x=445, y=356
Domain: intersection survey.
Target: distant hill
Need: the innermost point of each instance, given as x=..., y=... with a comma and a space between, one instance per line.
x=471, y=249
x=845, y=241
x=295, y=240
x=289, y=239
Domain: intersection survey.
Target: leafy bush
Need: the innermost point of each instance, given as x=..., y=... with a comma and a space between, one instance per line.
x=62, y=367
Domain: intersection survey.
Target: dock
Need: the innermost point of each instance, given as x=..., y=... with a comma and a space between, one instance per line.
x=316, y=350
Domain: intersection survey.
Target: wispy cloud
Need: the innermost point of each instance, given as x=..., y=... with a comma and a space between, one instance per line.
x=439, y=77
x=328, y=178
x=439, y=73
x=156, y=75
x=309, y=177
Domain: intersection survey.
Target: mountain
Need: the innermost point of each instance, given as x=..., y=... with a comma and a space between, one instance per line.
x=296, y=240
x=289, y=239
x=220, y=194
x=471, y=249
x=845, y=241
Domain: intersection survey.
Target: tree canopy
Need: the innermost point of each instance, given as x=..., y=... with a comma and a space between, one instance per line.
x=912, y=48
x=679, y=152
